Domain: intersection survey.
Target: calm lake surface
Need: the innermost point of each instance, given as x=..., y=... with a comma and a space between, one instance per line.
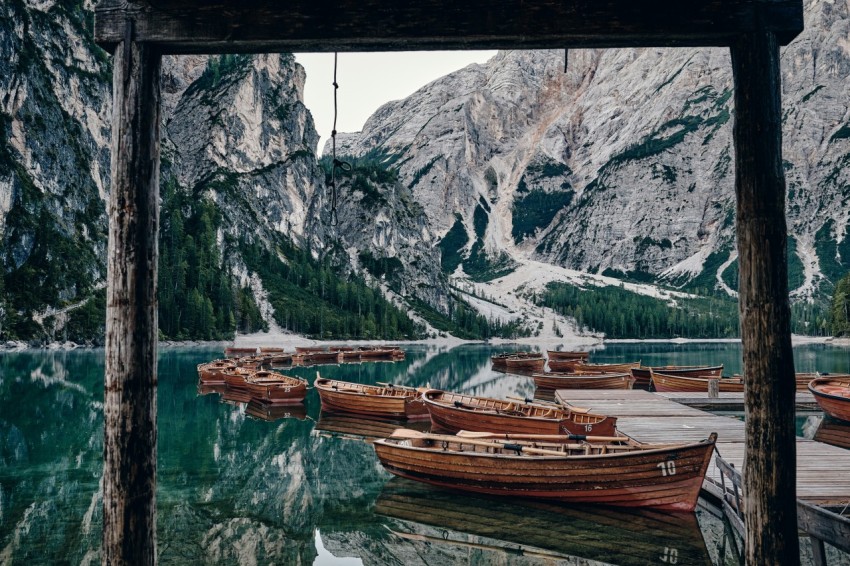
x=305, y=488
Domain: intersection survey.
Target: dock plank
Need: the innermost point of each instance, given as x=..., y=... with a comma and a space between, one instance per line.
x=651, y=417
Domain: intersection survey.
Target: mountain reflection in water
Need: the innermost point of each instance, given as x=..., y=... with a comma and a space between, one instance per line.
x=246, y=483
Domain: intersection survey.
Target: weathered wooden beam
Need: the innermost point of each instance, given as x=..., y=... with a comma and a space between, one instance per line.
x=824, y=525
x=770, y=510
x=129, y=468
x=196, y=26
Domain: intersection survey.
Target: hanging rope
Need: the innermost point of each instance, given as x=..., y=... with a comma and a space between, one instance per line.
x=336, y=163
x=566, y=58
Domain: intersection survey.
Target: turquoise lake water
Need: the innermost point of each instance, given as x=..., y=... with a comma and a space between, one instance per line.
x=304, y=488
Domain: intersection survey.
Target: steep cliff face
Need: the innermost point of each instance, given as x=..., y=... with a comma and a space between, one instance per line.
x=624, y=164
x=239, y=172
x=54, y=161
x=242, y=134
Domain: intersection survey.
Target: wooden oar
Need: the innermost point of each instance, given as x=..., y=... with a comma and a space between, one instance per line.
x=407, y=434
x=394, y=386
x=532, y=437
x=549, y=405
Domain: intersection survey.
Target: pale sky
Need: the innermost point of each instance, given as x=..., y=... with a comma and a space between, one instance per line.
x=368, y=80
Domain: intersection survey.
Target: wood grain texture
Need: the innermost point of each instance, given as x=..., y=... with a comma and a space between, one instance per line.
x=129, y=468
x=769, y=473
x=194, y=26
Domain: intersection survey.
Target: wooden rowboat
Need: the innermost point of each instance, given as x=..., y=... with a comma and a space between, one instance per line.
x=663, y=382
x=381, y=354
x=234, y=352
x=524, y=364
x=579, y=365
x=322, y=357
x=833, y=396
x=643, y=374
x=555, y=355
x=454, y=412
x=268, y=386
x=803, y=379
x=310, y=349
x=588, y=380
x=390, y=401
x=212, y=372
x=625, y=474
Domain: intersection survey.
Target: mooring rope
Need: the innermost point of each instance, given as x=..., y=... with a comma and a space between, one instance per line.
x=336, y=163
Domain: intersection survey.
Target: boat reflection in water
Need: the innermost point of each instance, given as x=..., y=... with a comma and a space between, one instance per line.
x=254, y=407
x=359, y=427
x=440, y=520
x=271, y=412
x=833, y=431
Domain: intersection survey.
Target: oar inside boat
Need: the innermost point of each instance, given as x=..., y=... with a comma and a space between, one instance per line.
x=407, y=434
x=549, y=404
x=541, y=437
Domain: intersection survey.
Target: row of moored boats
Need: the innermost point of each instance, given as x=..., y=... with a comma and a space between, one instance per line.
x=522, y=447
x=572, y=370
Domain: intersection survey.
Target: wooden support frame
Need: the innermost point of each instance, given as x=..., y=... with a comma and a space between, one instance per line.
x=770, y=511
x=129, y=445
x=219, y=26
x=140, y=31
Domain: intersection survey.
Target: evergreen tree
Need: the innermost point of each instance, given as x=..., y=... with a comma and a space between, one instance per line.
x=840, y=309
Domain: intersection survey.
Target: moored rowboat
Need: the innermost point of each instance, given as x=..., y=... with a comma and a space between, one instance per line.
x=323, y=357
x=833, y=396
x=390, y=401
x=575, y=366
x=454, y=412
x=233, y=352
x=212, y=372
x=621, y=474
x=524, y=363
x=268, y=386
x=663, y=382
x=585, y=380
x=803, y=379
x=643, y=374
x=555, y=355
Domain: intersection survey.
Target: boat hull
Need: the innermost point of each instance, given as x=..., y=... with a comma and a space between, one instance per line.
x=447, y=416
x=834, y=403
x=284, y=390
x=625, y=480
x=577, y=356
x=643, y=375
x=671, y=383
x=353, y=399
x=212, y=373
x=548, y=381
x=577, y=366
x=524, y=365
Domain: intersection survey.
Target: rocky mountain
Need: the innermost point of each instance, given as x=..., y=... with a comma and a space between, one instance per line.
x=464, y=201
x=239, y=176
x=623, y=164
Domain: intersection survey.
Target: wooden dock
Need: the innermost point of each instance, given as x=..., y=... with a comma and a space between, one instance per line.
x=822, y=476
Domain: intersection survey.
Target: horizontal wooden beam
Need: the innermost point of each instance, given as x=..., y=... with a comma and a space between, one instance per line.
x=219, y=26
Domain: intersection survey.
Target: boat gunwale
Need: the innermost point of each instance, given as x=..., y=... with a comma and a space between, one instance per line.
x=845, y=382
x=564, y=412
x=323, y=387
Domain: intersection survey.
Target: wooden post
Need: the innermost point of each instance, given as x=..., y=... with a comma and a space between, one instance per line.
x=129, y=450
x=770, y=454
x=713, y=388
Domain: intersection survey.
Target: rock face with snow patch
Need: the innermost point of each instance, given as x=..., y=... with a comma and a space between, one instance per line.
x=235, y=132
x=624, y=164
